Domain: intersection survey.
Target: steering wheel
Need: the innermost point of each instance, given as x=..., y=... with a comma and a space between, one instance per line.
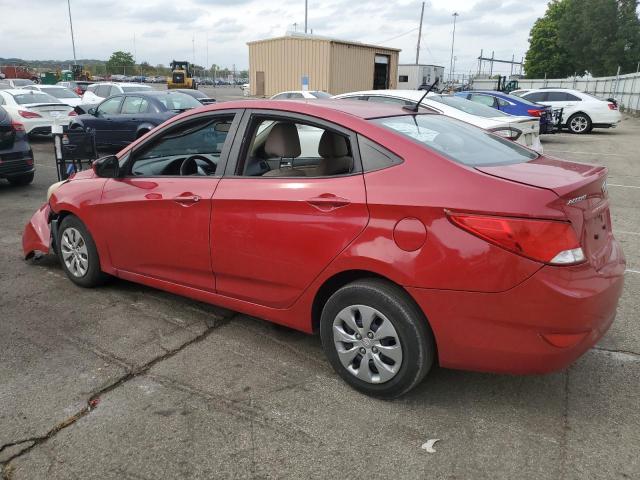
x=190, y=167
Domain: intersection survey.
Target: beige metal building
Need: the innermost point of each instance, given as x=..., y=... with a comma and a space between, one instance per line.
x=310, y=62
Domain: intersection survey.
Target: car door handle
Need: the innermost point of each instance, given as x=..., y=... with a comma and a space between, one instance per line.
x=327, y=202
x=186, y=200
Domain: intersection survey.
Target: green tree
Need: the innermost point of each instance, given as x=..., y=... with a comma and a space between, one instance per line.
x=119, y=62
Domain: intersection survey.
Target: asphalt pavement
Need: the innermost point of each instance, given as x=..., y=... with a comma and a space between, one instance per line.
x=128, y=382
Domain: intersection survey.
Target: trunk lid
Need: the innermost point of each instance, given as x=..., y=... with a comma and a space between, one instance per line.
x=49, y=110
x=582, y=196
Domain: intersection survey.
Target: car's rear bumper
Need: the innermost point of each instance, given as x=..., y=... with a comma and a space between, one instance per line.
x=37, y=233
x=16, y=163
x=518, y=331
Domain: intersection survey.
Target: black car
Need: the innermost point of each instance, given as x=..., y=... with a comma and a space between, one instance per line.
x=120, y=119
x=16, y=157
x=202, y=97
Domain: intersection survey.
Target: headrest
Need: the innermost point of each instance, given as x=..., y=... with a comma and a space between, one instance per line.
x=283, y=141
x=332, y=145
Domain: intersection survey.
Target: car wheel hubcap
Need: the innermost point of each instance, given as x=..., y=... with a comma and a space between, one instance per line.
x=74, y=252
x=579, y=124
x=367, y=344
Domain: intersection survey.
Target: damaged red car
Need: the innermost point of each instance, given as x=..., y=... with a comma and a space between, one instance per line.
x=404, y=238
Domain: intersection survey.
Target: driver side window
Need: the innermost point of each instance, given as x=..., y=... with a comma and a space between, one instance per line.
x=110, y=107
x=193, y=148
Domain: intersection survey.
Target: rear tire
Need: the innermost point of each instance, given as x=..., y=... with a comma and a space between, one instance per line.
x=376, y=322
x=21, y=180
x=579, y=123
x=78, y=254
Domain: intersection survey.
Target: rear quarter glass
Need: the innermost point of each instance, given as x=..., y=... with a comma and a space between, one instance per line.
x=457, y=140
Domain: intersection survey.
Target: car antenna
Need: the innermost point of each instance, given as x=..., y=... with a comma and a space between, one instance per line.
x=417, y=105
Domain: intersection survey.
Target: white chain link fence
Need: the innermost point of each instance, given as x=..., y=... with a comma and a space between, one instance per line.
x=624, y=88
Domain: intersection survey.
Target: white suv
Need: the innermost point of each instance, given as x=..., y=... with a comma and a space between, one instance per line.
x=99, y=91
x=581, y=112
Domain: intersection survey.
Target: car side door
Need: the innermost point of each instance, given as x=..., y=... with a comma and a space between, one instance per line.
x=134, y=112
x=156, y=216
x=276, y=227
x=104, y=121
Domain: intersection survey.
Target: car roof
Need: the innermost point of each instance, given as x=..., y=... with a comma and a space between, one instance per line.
x=405, y=94
x=356, y=108
x=18, y=91
x=551, y=89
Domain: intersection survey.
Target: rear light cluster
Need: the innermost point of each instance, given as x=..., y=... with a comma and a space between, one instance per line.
x=17, y=126
x=612, y=106
x=508, y=132
x=72, y=113
x=535, y=112
x=28, y=114
x=78, y=90
x=549, y=241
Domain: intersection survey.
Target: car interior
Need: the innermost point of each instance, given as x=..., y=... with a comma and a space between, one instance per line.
x=282, y=148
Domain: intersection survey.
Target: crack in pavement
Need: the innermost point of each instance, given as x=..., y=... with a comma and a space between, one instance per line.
x=623, y=352
x=94, y=398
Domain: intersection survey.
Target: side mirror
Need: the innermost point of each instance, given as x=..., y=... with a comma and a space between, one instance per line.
x=93, y=111
x=107, y=167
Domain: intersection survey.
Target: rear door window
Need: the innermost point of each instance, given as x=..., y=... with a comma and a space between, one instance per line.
x=483, y=99
x=536, y=96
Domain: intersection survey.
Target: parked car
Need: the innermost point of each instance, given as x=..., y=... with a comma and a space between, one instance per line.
x=5, y=85
x=385, y=239
x=37, y=111
x=77, y=86
x=199, y=95
x=97, y=92
x=581, y=112
x=520, y=91
x=18, y=82
x=16, y=157
x=120, y=119
x=63, y=94
x=523, y=130
x=513, y=105
x=301, y=94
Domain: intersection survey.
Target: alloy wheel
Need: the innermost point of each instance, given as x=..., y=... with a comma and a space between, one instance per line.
x=74, y=252
x=579, y=124
x=367, y=344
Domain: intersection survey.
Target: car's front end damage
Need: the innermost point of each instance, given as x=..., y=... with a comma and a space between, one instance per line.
x=36, y=238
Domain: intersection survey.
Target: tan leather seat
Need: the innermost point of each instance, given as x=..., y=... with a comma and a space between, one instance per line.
x=334, y=150
x=283, y=142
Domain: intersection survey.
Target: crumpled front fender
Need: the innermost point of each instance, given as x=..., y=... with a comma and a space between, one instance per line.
x=37, y=233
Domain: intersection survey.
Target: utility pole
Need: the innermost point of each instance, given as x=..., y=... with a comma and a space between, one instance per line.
x=306, y=9
x=73, y=42
x=419, y=36
x=453, y=40
x=193, y=46
x=135, y=52
x=208, y=67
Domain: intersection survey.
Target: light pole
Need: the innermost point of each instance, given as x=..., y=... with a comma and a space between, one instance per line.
x=73, y=42
x=453, y=39
x=306, y=9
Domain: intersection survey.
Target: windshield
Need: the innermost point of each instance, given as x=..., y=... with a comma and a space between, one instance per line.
x=60, y=93
x=457, y=140
x=141, y=88
x=34, y=97
x=320, y=94
x=178, y=101
x=468, y=106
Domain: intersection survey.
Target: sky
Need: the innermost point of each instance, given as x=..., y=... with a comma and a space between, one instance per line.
x=168, y=29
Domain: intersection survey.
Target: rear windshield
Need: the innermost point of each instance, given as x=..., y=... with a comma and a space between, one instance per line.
x=22, y=82
x=320, y=94
x=523, y=100
x=60, y=93
x=178, y=101
x=468, y=106
x=141, y=88
x=34, y=97
x=457, y=140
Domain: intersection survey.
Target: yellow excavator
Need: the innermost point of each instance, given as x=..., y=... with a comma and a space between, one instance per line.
x=181, y=76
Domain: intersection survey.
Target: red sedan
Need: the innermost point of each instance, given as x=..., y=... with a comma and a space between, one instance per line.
x=403, y=238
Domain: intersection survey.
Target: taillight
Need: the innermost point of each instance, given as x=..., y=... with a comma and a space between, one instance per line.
x=612, y=106
x=78, y=90
x=17, y=126
x=534, y=113
x=28, y=114
x=548, y=241
x=72, y=113
x=507, y=132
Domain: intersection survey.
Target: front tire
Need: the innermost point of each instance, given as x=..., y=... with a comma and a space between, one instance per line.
x=579, y=123
x=376, y=338
x=21, y=180
x=78, y=254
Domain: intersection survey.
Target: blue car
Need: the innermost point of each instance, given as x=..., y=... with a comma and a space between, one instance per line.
x=121, y=119
x=514, y=106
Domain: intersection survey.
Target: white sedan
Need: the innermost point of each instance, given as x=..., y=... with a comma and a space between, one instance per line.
x=581, y=112
x=522, y=130
x=37, y=111
x=63, y=94
x=301, y=95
